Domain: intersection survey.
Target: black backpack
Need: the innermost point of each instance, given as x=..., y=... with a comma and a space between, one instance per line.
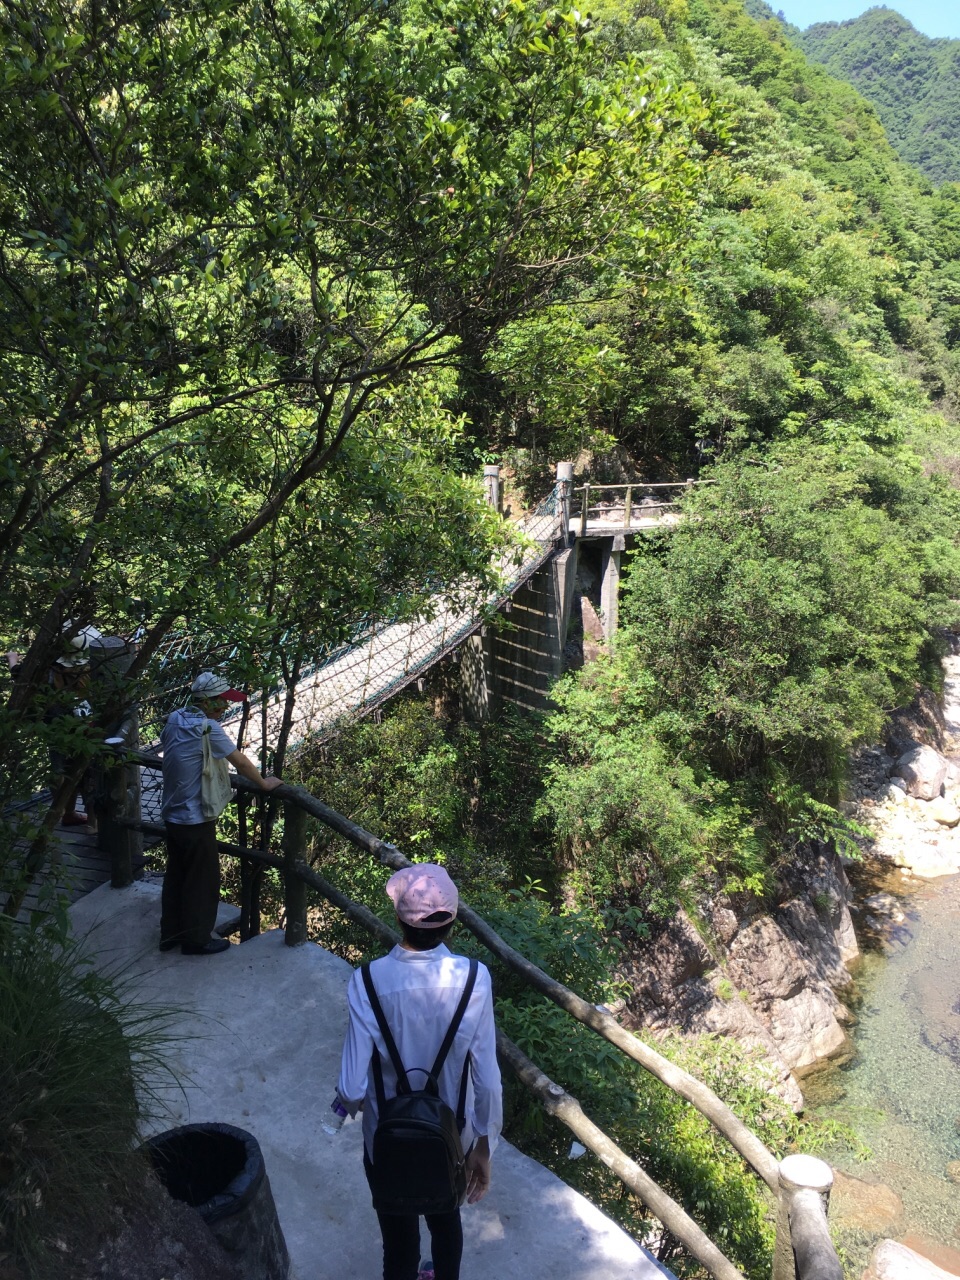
x=418, y=1161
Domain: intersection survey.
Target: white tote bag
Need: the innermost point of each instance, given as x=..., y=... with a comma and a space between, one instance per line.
x=215, y=789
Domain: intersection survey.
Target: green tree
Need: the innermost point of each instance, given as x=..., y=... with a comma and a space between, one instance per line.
x=240, y=254
x=766, y=634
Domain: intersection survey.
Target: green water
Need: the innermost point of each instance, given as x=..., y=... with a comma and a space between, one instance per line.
x=901, y=1091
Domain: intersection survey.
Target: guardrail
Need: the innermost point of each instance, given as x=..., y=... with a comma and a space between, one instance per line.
x=801, y=1184
x=622, y=508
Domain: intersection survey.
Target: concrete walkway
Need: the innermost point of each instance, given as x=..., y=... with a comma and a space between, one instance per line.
x=259, y=1031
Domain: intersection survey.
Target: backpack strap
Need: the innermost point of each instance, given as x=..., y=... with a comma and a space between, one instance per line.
x=403, y=1084
x=455, y=1021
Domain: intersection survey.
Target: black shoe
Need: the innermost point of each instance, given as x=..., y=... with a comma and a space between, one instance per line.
x=210, y=948
x=167, y=944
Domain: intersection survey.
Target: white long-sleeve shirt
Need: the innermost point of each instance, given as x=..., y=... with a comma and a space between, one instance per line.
x=419, y=992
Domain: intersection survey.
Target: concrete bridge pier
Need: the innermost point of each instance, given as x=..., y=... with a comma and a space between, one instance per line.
x=479, y=692
x=610, y=585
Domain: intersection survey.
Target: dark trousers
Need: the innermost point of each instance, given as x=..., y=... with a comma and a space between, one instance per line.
x=191, y=884
x=401, y=1241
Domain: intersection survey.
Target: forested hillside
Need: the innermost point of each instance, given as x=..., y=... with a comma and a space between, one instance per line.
x=913, y=81
x=274, y=285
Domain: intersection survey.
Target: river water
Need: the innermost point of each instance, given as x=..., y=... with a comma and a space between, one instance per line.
x=901, y=1090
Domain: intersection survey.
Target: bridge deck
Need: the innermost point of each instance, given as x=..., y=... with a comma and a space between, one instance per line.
x=609, y=527
x=74, y=868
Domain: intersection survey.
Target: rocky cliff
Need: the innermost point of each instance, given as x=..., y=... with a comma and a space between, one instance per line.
x=776, y=978
x=766, y=978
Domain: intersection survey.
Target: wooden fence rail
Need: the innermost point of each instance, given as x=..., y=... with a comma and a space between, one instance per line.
x=813, y=1258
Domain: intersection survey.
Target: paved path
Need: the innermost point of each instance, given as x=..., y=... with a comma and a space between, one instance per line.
x=259, y=1033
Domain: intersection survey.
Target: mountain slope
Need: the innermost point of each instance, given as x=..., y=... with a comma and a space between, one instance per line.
x=913, y=81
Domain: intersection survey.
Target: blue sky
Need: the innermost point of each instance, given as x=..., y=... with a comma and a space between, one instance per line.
x=932, y=17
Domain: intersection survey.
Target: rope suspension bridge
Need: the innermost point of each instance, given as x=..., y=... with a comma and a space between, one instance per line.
x=382, y=657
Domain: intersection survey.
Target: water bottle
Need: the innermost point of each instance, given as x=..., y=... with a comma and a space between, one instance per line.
x=334, y=1122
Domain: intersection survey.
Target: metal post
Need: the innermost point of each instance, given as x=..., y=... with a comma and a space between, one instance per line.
x=564, y=495
x=803, y=1249
x=491, y=486
x=294, y=889
x=585, y=509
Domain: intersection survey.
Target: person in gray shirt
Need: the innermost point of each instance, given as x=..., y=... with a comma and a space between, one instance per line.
x=195, y=745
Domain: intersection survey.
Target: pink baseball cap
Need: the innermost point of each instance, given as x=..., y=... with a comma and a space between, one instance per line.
x=422, y=891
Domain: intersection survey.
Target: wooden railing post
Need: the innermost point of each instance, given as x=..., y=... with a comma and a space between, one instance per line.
x=117, y=836
x=491, y=486
x=294, y=889
x=803, y=1248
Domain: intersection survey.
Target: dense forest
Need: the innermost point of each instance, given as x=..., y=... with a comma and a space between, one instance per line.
x=913, y=81
x=276, y=281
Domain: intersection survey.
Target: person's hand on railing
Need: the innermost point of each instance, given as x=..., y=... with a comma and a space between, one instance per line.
x=247, y=769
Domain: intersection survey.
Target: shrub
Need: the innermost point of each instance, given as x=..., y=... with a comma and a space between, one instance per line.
x=75, y=1053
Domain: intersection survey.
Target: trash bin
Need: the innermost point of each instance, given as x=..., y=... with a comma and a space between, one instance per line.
x=219, y=1171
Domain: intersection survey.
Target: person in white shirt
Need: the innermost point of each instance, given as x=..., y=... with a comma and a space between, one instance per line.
x=419, y=985
x=191, y=882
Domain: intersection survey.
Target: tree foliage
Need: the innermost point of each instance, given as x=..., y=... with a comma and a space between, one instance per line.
x=772, y=630
x=241, y=251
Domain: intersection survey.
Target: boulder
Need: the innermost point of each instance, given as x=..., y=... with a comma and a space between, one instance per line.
x=924, y=770
x=870, y=1207
x=944, y=812
x=953, y=1171
x=927, y=861
x=893, y=1261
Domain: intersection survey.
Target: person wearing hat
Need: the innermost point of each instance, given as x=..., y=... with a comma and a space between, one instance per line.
x=419, y=985
x=68, y=680
x=196, y=751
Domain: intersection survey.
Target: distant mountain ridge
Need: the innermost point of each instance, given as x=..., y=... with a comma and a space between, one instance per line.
x=912, y=80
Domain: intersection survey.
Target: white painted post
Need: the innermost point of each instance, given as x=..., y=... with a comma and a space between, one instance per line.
x=803, y=1248
x=491, y=486
x=565, y=494
x=610, y=586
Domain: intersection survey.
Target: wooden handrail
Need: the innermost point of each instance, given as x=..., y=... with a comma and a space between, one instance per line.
x=803, y=1251
x=603, y=1024
x=641, y=484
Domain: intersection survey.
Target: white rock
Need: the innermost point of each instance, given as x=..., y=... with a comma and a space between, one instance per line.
x=943, y=812
x=923, y=770
x=928, y=861
x=894, y=793
x=893, y=1261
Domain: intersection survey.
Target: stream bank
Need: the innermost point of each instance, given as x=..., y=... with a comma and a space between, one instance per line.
x=851, y=984
x=900, y=1091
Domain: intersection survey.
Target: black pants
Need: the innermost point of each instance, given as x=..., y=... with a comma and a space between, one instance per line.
x=191, y=884
x=401, y=1241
